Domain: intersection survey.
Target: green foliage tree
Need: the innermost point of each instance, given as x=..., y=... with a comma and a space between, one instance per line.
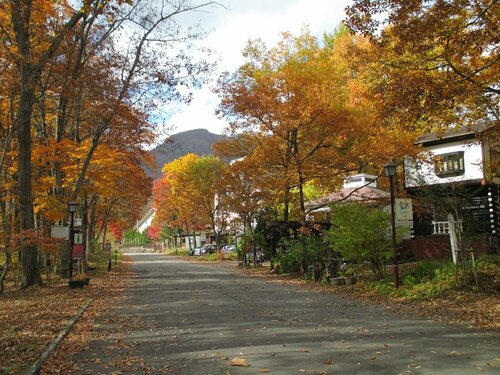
x=134, y=237
x=360, y=233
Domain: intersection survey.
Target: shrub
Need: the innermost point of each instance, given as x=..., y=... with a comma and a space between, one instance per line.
x=360, y=233
x=212, y=257
x=303, y=255
x=231, y=256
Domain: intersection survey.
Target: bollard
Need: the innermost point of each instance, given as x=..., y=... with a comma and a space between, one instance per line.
x=109, y=264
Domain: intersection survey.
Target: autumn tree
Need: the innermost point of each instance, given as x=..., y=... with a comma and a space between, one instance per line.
x=440, y=59
x=209, y=192
x=172, y=197
x=192, y=194
x=68, y=61
x=306, y=113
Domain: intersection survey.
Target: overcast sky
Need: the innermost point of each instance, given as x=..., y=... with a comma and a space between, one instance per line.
x=229, y=30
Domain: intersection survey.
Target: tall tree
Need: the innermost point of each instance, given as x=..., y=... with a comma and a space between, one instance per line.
x=173, y=197
x=31, y=59
x=307, y=113
x=440, y=60
x=57, y=50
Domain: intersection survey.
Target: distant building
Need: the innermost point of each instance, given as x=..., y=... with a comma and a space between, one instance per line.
x=146, y=220
x=362, y=188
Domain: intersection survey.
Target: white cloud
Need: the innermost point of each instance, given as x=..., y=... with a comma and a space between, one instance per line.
x=244, y=20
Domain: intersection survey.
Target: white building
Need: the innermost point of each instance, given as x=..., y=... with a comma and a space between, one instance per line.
x=453, y=171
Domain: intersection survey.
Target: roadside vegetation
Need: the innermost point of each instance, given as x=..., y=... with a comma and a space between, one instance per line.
x=31, y=318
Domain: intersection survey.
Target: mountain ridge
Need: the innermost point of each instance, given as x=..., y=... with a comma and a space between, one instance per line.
x=196, y=141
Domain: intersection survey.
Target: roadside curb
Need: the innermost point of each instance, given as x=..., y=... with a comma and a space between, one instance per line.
x=37, y=365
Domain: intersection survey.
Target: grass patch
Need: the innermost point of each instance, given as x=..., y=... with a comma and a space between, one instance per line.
x=432, y=279
x=176, y=251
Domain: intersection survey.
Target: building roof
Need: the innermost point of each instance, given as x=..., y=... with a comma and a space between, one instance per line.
x=146, y=216
x=352, y=194
x=458, y=133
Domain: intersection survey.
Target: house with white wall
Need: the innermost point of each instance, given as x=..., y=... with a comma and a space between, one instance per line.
x=146, y=220
x=453, y=172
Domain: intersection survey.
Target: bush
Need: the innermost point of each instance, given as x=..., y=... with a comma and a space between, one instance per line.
x=231, y=256
x=360, y=233
x=303, y=255
x=429, y=270
x=428, y=279
x=212, y=257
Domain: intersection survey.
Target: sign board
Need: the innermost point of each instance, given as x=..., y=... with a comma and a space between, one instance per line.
x=59, y=231
x=403, y=212
x=78, y=239
x=78, y=251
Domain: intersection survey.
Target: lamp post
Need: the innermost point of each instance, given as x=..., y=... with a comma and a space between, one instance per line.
x=253, y=225
x=390, y=171
x=72, y=206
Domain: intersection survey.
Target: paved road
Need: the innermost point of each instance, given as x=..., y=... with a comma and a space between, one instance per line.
x=190, y=318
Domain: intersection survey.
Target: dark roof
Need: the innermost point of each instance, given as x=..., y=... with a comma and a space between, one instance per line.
x=459, y=133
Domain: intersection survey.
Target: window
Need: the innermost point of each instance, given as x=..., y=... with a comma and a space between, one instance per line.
x=450, y=164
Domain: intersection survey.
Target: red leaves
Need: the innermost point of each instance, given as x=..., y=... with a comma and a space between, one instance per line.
x=153, y=233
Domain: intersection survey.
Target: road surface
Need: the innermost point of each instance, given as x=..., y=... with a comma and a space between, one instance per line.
x=184, y=317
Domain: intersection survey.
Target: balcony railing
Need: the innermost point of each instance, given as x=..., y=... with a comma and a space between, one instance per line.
x=441, y=227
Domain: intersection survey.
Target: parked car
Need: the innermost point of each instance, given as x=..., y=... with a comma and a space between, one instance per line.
x=208, y=249
x=228, y=248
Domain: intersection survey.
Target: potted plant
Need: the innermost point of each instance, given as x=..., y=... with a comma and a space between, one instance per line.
x=349, y=273
x=79, y=282
x=76, y=283
x=337, y=280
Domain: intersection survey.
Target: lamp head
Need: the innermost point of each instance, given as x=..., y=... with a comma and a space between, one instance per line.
x=72, y=206
x=390, y=169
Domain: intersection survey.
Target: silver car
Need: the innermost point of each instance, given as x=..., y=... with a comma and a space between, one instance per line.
x=228, y=248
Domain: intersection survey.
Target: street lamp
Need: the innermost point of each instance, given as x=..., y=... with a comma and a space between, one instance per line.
x=72, y=206
x=390, y=171
x=253, y=225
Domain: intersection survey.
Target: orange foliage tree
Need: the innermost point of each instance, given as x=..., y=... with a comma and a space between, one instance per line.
x=62, y=99
x=440, y=59
x=192, y=194
x=172, y=198
x=303, y=113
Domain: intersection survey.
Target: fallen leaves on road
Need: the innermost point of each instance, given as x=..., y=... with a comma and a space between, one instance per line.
x=481, y=310
x=328, y=361
x=33, y=317
x=110, y=289
x=241, y=362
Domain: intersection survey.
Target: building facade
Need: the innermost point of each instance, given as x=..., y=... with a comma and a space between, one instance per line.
x=456, y=174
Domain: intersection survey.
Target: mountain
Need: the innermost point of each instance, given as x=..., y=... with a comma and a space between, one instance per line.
x=198, y=141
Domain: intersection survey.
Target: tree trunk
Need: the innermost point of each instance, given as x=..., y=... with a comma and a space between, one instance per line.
x=104, y=230
x=30, y=73
x=29, y=254
x=92, y=226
